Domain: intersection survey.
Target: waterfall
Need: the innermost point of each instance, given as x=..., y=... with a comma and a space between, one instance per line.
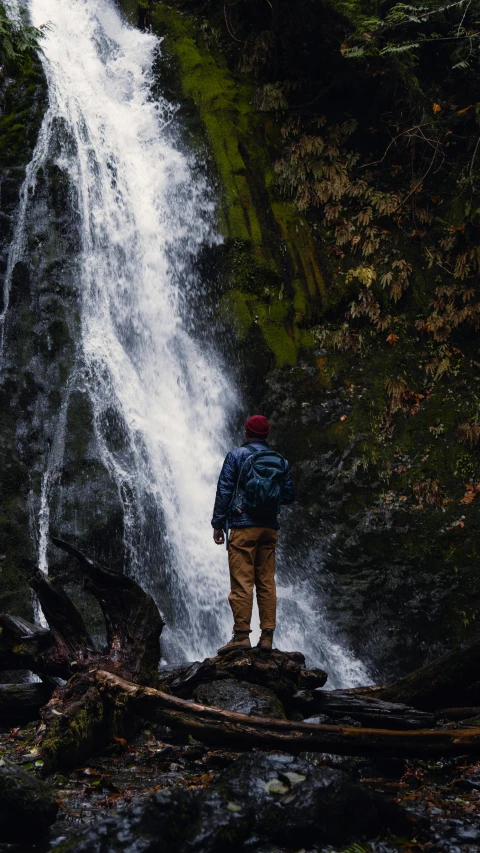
x=144, y=214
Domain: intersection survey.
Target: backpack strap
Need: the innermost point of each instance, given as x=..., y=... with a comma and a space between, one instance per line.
x=235, y=494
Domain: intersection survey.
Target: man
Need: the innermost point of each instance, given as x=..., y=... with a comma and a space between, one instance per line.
x=253, y=537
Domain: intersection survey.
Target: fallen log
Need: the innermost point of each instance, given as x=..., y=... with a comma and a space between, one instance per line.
x=111, y=692
x=457, y=714
x=26, y=646
x=114, y=707
x=370, y=711
x=451, y=680
x=227, y=727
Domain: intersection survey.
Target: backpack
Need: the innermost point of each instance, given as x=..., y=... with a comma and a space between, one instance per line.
x=261, y=492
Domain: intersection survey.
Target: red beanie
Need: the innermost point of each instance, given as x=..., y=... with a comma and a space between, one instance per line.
x=257, y=426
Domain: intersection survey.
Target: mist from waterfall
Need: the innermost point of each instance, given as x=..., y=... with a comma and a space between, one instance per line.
x=162, y=393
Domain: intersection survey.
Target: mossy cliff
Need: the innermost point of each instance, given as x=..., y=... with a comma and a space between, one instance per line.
x=268, y=271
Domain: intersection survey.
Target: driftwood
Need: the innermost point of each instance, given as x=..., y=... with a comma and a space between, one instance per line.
x=132, y=620
x=370, y=711
x=457, y=713
x=450, y=681
x=116, y=705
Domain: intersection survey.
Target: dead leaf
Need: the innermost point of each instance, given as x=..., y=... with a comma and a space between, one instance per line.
x=294, y=778
x=471, y=492
x=274, y=786
x=392, y=339
x=437, y=108
x=465, y=110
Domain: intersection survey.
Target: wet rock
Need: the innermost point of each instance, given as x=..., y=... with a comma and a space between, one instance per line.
x=194, y=753
x=303, y=702
x=173, y=819
x=27, y=805
x=261, y=801
x=296, y=803
x=21, y=703
x=240, y=696
x=282, y=672
x=319, y=719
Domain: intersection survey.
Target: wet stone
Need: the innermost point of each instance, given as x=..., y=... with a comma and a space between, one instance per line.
x=240, y=696
x=319, y=719
x=303, y=702
x=297, y=803
x=27, y=804
x=262, y=801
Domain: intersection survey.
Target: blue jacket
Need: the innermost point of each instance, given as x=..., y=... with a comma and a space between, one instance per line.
x=227, y=483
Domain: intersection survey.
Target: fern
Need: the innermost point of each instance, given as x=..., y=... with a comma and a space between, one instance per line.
x=18, y=41
x=357, y=848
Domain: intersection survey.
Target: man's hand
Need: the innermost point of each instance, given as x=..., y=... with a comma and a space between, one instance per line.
x=218, y=537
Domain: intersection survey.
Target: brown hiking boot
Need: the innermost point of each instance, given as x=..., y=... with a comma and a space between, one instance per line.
x=266, y=640
x=239, y=642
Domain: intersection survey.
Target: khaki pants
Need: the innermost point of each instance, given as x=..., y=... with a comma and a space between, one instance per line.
x=251, y=558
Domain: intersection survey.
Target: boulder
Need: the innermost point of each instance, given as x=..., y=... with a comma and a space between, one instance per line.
x=282, y=672
x=240, y=696
x=27, y=804
x=296, y=803
x=262, y=799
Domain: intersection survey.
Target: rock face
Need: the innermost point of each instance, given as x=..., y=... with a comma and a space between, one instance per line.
x=27, y=805
x=262, y=798
x=48, y=439
x=387, y=564
x=240, y=696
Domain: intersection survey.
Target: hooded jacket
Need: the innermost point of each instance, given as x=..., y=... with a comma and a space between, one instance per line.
x=227, y=483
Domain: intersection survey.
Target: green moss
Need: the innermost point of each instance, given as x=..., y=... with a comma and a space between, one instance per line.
x=224, y=108
x=260, y=229
x=234, y=309
x=281, y=344
x=71, y=739
x=130, y=8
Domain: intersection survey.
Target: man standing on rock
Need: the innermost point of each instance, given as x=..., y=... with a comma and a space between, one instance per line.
x=253, y=483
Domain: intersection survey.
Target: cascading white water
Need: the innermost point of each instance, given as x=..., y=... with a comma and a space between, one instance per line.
x=143, y=217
